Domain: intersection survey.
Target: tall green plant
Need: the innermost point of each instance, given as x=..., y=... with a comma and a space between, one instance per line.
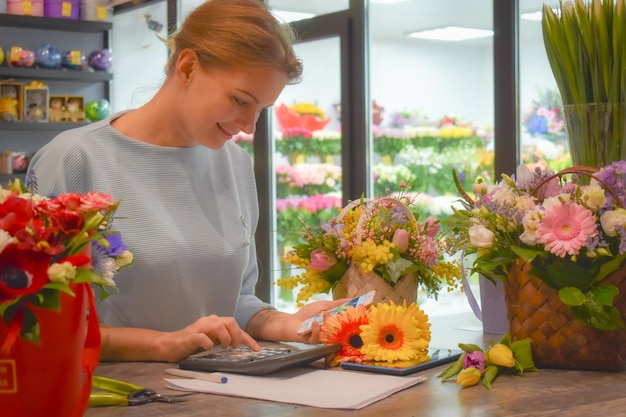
x=586, y=49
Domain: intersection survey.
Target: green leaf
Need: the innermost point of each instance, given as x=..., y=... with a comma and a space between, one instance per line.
x=572, y=296
x=607, y=268
x=490, y=375
x=335, y=272
x=598, y=316
x=604, y=294
x=30, y=327
x=561, y=273
x=452, y=369
x=469, y=348
x=522, y=352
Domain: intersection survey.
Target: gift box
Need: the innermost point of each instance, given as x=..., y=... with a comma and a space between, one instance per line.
x=26, y=8
x=11, y=101
x=57, y=111
x=36, y=97
x=98, y=10
x=75, y=109
x=67, y=9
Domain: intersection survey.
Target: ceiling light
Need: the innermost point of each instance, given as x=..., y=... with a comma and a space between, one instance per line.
x=291, y=16
x=535, y=16
x=451, y=33
x=387, y=1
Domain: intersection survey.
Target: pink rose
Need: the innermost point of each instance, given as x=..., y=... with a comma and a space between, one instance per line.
x=321, y=261
x=401, y=240
x=433, y=226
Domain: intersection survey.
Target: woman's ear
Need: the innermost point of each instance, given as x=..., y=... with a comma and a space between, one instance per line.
x=186, y=64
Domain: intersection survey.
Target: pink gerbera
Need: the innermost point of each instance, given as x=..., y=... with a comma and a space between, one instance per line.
x=565, y=228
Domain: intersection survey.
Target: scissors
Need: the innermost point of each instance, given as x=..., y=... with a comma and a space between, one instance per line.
x=116, y=392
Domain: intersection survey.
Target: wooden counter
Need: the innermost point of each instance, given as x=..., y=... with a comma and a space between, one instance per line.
x=536, y=394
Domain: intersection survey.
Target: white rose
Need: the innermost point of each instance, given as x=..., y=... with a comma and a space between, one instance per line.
x=613, y=220
x=593, y=196
x=531, y=222
x=64, y=272
x=480, y=236
x=504, y=195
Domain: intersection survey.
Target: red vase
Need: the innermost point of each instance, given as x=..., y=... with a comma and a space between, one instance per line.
x=53, y=379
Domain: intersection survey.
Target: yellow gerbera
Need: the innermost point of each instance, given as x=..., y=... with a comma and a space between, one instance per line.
x=395, y=332
x=344, y=328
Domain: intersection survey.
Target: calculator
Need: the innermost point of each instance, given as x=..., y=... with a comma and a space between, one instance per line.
x=243, y=360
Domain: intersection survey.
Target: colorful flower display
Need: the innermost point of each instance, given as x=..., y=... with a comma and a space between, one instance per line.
x=570, y=226
x=386, y=332
x=47, y=244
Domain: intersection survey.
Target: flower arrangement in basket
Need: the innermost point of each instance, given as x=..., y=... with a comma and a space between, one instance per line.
x=372, y=244
x=563, y=233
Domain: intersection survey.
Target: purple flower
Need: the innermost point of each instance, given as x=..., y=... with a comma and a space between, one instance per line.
x=116, y=246
x=475, y=359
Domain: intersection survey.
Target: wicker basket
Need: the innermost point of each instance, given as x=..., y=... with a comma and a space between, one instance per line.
x=558, y=340
x=354, y=282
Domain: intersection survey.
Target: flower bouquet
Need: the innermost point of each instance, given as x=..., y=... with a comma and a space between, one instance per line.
x=558, y=242
x=51, y=251
x=476, y=364
x=370, y=242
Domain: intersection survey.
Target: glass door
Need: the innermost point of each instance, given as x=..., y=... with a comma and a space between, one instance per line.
x=543, y=137
x=308, y=140
x=433, y=93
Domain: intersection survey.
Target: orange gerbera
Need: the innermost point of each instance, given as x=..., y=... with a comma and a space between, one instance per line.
x=345, y=328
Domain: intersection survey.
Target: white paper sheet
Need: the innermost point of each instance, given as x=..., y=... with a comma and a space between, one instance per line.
x=312, y=387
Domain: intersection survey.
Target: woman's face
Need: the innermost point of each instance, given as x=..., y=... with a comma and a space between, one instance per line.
x=217, y=103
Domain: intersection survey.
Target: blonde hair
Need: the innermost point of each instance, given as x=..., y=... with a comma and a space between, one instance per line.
x=236, y=34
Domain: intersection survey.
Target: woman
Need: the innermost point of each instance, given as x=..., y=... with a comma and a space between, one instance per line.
x=188, y=207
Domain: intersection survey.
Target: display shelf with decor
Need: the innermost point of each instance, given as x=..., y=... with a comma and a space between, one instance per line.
x=64, y=76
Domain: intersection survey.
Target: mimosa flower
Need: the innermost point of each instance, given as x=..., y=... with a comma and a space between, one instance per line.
x=393, y=333
x=344, y=328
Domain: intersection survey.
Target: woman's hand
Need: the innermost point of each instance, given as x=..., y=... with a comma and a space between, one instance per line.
x=141, y=344
x=283, y=327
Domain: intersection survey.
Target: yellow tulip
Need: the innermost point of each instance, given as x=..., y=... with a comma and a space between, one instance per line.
x=468, y=377
x=501, y=355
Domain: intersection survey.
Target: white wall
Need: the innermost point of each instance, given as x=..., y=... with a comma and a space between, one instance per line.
x=139, y=56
